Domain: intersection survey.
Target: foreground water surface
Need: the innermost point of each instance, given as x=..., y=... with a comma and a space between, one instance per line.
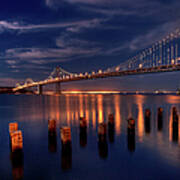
x=153, y=153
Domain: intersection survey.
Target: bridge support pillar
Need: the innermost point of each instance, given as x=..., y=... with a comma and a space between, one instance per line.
x=39, y=89
x=58, y=88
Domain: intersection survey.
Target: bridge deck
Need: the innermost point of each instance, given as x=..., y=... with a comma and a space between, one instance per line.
x=157, y=69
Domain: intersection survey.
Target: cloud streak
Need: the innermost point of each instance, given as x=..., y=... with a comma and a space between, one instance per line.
x=22, y=27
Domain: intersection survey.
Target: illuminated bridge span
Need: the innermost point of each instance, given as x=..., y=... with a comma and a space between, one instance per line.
x=162, y=56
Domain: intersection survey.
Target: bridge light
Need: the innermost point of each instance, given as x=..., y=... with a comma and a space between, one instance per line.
x=117, y=68
x=178, y=59
x=100, y=71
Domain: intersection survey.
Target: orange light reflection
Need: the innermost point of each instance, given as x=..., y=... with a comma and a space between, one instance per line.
x=117, y=115
x=170, y=126
x=93, y=112
x=100, y=108
x=81, y=113
x=87, y=110
x=139, y=101
x=68, y=109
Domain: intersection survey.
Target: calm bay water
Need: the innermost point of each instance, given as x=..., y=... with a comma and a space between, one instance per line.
x=153, y=153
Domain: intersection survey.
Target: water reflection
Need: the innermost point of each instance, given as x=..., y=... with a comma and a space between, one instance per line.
x=81, y=109
x=100, y=108
x=83, y=137
x=139, y=101
x=66, y=157
x=117, y=114
x=17, y=161
x=93, y=110
x=52, y=142
x=156, y=128
x=102, y=140
x=131, y=135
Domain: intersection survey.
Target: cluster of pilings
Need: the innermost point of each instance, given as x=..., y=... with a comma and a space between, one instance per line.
x=147, y=123
x=16, y=138
x=174, y=124
x=16, y=154
x=103, y=128
x=66, y=147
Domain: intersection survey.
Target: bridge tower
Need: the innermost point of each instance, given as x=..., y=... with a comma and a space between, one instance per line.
x=58, y=88
x=60, y=73
x=57, y=73
x=39, y=89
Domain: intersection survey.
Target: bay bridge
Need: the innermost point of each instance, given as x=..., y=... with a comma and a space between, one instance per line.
x=162, y=56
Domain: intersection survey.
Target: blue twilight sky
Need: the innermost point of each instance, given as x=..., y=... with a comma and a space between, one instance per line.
x=78, y=35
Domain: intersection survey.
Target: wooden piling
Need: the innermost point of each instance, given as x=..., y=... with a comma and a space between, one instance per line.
x=16, y=140
x=160, y=118
x=13, y=127
x=111, y=128
x=52, y=125
x=174, y=114
x=131, y=134
x=175, y=125
x=102, y=131
x=147, y=114
x=65, y=135
x=131, y=124
x=66, y=148
x=147, y=122
x=111, y=119
x=83, y=122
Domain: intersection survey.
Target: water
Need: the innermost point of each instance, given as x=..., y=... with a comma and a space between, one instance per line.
x=153, y=153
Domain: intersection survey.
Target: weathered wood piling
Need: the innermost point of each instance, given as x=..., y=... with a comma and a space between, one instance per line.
x=65, y=135
x=131, y=135
x=52, y=136
x=66, y=148
x=147, y=119
x=16, y=137
x=83, y=132
x=102, y=141
x=175, y=125
x=111, y=127
x=160, y=119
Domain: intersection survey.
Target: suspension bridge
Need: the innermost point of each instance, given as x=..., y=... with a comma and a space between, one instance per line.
x=162, y=56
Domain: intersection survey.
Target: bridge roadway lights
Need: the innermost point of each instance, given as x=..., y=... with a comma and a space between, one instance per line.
x=39, y=89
